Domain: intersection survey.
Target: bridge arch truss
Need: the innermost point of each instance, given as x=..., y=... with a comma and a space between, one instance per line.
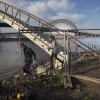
x=64, y=21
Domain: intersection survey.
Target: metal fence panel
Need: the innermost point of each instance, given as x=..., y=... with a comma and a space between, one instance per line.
x=85, y=53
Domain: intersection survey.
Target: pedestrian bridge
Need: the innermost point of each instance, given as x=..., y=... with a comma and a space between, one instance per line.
x=20, y=19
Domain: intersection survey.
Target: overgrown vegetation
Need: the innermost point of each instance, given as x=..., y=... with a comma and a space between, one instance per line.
x=91, y=97
x=46, y=88
x=48, y=82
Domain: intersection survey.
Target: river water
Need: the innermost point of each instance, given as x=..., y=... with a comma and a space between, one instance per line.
x=11, y=60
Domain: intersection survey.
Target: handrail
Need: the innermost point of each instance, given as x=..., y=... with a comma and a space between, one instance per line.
x=32, y=16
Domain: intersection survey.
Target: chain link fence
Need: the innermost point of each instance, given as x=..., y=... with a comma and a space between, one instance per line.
x=11, y=54
x=10, y=59
x=84, y=54
x=82, y=50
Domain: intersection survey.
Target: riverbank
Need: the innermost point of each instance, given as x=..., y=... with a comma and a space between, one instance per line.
x=82, y=90
x=52, y=89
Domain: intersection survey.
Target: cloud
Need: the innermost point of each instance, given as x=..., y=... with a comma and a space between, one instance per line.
x=23, y=4
x=60, y=5
x=39, y=9
x=95, y=10
x=74, y=17
x=49, y=9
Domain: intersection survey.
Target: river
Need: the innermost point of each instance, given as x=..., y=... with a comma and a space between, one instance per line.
x=11, y=60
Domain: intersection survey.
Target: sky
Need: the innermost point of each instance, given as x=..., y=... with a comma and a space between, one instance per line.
x=83, y=13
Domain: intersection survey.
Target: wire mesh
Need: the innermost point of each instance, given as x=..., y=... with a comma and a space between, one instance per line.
x=84, y=44
x=85, y=59
x=10, y=59
x=83, y=56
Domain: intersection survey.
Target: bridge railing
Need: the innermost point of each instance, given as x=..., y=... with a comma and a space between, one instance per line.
x=26, y=19
x=23, y=15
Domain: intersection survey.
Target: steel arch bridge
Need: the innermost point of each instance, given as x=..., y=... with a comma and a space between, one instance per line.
x=64, y=21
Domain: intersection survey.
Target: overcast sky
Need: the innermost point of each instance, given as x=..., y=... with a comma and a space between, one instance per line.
x=84, y=13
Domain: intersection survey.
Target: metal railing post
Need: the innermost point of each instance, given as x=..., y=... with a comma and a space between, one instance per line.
x=67, y=78
x=67, y=54
x=65, y=65
x=21, y=56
